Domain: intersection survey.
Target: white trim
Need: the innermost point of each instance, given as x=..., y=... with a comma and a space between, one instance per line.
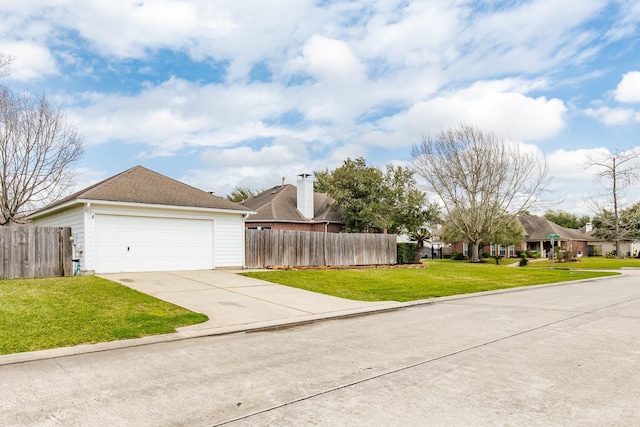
x=137, y=205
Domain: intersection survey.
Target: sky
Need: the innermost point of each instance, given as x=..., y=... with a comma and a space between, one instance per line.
x=222, y=94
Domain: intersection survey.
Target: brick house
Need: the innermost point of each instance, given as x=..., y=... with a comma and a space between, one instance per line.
x=286, y=207
x=537, y=228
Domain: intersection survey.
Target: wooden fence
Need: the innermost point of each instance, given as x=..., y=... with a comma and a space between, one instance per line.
x=28, y=252
x=306, y=248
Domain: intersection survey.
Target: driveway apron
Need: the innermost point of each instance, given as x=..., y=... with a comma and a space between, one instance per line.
x=229, y=299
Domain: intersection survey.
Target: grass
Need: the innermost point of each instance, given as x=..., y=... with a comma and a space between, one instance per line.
x=442, y=278
x=38, y=314
x=590, y=263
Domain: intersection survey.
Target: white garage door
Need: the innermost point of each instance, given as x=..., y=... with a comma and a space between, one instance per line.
x=130, y=243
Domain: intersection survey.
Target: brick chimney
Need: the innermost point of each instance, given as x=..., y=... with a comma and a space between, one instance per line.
x=305, y=195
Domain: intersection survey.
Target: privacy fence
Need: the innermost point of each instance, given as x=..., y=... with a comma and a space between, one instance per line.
x=305, y=248
x=28, y=252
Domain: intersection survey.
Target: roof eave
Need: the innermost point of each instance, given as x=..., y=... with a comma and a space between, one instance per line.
x=134, y=204
x=304, y=221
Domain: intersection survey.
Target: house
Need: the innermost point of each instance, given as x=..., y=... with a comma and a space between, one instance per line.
x=538, y=229
x=286, y=207
x=599, y=246
x=537, y=239
x=140, y=220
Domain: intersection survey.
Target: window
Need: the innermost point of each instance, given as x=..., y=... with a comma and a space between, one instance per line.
x=465, y=249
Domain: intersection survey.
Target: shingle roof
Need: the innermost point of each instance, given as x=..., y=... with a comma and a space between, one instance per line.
x=280, y=204
x=537, y=228
x=141, y=185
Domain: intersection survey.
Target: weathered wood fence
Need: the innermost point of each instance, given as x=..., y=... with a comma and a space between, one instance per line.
x=28, y=252
x=307, y=248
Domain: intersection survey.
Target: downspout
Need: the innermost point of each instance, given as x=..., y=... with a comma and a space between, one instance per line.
x=244, y=239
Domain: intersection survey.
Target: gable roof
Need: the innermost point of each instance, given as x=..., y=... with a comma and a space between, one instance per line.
x=280, y=204
x=141, y=185
x=538, y=227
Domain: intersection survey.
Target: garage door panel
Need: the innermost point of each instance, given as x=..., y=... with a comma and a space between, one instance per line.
x=128, y=243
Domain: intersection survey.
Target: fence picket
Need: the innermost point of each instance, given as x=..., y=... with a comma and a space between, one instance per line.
x=28, y=252
x=306, y=248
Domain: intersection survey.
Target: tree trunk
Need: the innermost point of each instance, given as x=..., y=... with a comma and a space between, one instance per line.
x=418, y=255
x=474, y=252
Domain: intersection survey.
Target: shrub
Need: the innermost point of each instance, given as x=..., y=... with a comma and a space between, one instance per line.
x=458, y=256
x=407, y=252
x=485, y=255
x=523, y=261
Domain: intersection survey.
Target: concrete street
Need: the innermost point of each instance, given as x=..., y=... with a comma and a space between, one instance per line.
x=553, y=355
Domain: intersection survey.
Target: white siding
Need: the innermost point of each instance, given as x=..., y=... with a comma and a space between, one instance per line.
x=74, y=218
x=226, y=247
x=229, y=240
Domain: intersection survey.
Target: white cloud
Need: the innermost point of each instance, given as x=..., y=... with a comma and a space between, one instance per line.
x=614, y=116
x=31, y=60
x=281, y=151
x=506, y=113
x=628, y=90
x=330, y=61
x=177, y=113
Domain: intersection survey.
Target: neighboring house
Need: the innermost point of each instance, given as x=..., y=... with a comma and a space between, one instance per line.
x=537, y=229
x=599, y=246
x=140, y=220
x=286, y=207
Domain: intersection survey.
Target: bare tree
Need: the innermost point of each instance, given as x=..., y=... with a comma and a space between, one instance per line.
x=482, y=181
x=5, y=61
x=37, y=149
x=617, y=170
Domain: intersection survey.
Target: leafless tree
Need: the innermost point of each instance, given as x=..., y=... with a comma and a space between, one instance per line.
x=5, y=61
x=617, y=171
x=38, y=146
x=482, y=181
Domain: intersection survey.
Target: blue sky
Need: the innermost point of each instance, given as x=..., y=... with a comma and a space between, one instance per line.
x=225, y=93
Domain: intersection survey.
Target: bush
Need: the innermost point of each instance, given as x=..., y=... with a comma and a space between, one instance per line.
x=523, y=261
x=407, y=252
x=458, y=256
x=485, y=255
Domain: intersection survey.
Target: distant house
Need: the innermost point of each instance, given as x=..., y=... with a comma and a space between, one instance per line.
x=599, y=246
x=537, y=240
x=538, y=229
x=140, y=220
x=286, y=207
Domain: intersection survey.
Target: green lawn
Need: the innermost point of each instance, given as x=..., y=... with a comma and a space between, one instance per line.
x=442, y=278
x=37, y=314
x=590, y=263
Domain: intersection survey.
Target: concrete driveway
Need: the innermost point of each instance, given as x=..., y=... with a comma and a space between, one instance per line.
x=235, y=302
